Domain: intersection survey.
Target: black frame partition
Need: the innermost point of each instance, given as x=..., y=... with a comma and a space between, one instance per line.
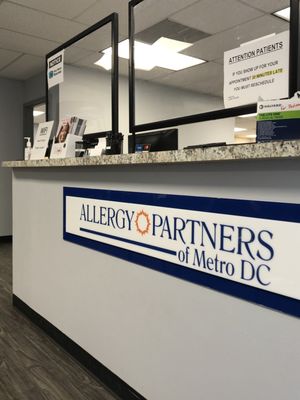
x=112, y=19
x=294, y=79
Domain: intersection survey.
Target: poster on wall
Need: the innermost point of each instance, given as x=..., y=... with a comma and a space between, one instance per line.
x=257, y=69
x=55, y=69
x=240, y=247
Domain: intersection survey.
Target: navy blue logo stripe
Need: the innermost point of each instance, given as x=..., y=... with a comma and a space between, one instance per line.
x=148, y=246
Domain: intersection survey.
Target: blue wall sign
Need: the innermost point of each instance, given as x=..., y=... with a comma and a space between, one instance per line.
x=247, y=249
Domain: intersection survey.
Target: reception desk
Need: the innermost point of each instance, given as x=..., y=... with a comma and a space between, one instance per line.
x=166, y=337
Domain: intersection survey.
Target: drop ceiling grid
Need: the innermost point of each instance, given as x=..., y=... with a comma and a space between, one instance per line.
x=60, y=8
x=32, y=28
x=219, y=15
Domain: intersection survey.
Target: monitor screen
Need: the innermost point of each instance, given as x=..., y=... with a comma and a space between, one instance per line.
x=158, y=141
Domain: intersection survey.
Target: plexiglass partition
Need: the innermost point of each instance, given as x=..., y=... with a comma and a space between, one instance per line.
x=189, y=59
x=90, y=86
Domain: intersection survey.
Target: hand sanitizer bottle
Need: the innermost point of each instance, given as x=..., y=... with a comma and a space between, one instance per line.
x=27, y=150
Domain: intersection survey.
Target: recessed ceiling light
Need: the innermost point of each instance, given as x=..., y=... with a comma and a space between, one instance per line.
x=164, y=53
x=285, y=13
x=237, y=129
x=171, y=44
x=247, y=115
x=104, y=62
x=38, y=113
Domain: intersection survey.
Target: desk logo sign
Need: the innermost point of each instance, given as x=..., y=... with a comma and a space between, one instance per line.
x=247, y=249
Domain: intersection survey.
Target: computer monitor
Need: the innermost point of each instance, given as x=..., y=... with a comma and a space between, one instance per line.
x=159, y=140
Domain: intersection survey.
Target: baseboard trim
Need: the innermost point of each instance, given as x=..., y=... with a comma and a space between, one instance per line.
x=112, y=381
x=4, y=239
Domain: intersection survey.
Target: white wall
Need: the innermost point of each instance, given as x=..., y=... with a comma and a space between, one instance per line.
x=86, y=93
x=35, y=88
x=167, y=338
x=11, y=144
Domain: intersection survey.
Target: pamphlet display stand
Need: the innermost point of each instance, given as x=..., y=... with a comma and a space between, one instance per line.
x=65, y=149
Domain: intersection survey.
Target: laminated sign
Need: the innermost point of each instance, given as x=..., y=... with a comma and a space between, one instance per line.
x=244, y=248
x=278, y=119
x=55, y=69
x=257, y=69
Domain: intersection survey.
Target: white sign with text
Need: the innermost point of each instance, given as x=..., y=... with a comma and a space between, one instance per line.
x=257, y=69
x=55, y=69
x=41, y=140
x=257, y=252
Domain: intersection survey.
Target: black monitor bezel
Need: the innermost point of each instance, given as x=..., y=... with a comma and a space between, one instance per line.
x=160, y=133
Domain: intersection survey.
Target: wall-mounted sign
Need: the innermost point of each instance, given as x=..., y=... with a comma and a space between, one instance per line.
x=257, y=69
x=245, y=248
x=55, y=69
x=41, y=140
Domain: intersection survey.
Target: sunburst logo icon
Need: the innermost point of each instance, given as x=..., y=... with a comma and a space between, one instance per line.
x=142, y=222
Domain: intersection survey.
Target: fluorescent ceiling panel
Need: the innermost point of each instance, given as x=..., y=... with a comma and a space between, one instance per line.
x=284, y=14
x=163, y=53
x=176, y=46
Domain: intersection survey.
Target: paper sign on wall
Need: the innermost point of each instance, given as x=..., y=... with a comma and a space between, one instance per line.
x=55, y=69
x=41, y=140
x=258, y=69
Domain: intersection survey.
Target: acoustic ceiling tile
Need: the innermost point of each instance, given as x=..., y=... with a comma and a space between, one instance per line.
x=213, y=47
x=214, y=16
x=64, y=9
x=269, y=6
x=150, y=12
x=25, y=44
x=31, y=22
x=206, y=78
x=74, y=54
x=24, y=67
x=7, y=56
x=102, y=8
x=98, y=40
x=89, y=61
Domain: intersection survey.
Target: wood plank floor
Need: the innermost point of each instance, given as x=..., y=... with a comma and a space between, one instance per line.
x=32, y=366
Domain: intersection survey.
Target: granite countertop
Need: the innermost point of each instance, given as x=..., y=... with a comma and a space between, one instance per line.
x=253, y=151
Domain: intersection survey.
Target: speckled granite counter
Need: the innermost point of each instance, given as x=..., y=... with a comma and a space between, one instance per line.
x=255, y=151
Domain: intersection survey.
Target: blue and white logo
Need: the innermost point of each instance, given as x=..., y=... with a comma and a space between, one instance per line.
x=214, y=242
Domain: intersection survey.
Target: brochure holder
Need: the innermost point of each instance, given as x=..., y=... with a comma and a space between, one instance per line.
x=65, y=149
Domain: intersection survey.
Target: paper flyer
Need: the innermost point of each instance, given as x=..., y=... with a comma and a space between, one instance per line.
x=260, y=68
x=41, y=140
